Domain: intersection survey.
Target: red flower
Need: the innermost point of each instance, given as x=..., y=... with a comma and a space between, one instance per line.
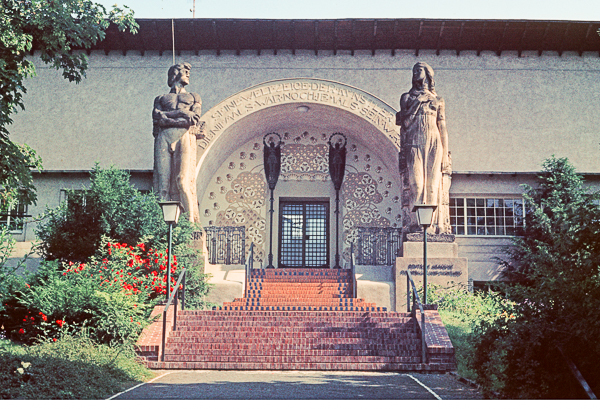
x=54, y=339
x=60, y=323
x=21, y=331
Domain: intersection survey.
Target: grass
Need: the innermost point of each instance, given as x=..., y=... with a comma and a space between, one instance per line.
x=71, y=368
x=459, y=330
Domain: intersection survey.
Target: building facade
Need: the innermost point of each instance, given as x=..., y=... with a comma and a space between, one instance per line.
x=516, y=92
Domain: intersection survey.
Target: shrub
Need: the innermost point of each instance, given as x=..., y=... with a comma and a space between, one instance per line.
x=111, y=207
x=556, y=299
x=462, y=312
x=112, y=296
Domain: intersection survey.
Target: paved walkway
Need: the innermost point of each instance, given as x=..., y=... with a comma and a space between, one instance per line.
x=297, y=385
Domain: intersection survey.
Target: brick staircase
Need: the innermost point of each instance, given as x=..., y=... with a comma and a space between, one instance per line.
x=300, y=320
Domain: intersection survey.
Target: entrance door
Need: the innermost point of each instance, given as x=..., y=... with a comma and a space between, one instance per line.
x=304, y=234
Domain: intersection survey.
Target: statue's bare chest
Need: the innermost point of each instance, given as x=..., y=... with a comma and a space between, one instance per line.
x=171, y=102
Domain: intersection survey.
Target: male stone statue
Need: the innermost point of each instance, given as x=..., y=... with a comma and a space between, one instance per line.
x=424, y=144
x=176, y=119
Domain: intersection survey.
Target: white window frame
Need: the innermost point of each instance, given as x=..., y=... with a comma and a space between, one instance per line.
x=17, y=218
x=486, y=215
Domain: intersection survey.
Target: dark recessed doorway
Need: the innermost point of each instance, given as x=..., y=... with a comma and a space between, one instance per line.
x=304, y=233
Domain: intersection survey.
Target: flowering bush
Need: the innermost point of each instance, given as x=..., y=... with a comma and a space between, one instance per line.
x=112, y=296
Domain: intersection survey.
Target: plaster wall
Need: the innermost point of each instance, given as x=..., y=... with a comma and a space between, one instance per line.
x=504, y=113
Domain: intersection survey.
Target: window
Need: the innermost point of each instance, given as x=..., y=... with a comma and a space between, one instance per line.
x=478, y=216
x=13, y=219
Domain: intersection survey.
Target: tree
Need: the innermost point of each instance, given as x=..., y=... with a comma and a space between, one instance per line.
x=60, y=30
x=111, y=207
x=112, y=210
x=554, y=266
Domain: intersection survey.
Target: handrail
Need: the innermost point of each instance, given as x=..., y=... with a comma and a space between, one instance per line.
x=249, y=267
x=577, y=374
x=353, y=269
x=174, y=295
x=416, y=300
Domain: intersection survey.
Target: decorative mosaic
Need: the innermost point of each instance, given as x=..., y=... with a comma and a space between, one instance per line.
x=304, y=158
x=238, y=193
x=370, y=195
x=236, y=196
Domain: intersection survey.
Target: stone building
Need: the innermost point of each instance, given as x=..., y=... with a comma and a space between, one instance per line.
x=516, y=92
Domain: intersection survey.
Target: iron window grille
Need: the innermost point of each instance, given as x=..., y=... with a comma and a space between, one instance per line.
x=226, y=244
x=378, y=246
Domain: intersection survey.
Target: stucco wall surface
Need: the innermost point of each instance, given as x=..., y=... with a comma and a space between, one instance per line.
x=504, y=114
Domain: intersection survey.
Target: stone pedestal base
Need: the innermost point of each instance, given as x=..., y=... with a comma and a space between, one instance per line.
x=434, y=250
x=444, y=271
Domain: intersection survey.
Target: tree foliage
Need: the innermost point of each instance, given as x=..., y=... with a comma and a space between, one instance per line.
x=111, y=207
x=114, y=210
x=60, y=30
x=555, y=268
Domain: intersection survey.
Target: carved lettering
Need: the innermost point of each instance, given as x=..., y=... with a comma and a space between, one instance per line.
x=310, y=91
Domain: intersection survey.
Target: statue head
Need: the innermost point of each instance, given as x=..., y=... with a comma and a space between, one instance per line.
x=179, y=72
x=423, y=72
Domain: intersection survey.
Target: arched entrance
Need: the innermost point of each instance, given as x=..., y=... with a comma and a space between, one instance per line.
x=231, y=186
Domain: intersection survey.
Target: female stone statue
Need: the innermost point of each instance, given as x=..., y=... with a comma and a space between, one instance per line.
x=424, y=140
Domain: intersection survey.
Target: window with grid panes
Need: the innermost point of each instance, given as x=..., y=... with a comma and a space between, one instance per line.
x=481, y=216
x=13, y=218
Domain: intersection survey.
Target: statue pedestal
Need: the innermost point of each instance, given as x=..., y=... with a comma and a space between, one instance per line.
x=444, y=267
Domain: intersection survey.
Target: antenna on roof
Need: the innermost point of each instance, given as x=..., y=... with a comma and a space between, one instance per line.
x=173, y=37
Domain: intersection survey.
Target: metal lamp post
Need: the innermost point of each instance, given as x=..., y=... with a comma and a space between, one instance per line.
x=272, y=162
x=424, y=218
x=171, y=211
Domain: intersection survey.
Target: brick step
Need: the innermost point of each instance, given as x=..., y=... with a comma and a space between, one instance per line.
x=258, y=366
x=294, y=294
x=300, y=270
x=299, y=303
x=301, y=281
x=239, y=347
x=325, y=354
x=254, y=297
x=297, y=293
x=302, y=301
x=304, y=308
x=231, y=325
x=328, y=298
x=295, y=316
x=302, y=274
x=329, y=325
x=290, y=337
x=292, y=359
x=297, y=328
x=300, y=288
x=275, y=284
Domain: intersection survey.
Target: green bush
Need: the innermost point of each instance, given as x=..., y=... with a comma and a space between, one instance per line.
x=112, y=210
x=111, y=296
x=462, y=312
x=111, y=207
x=54, y=300
x=555, y=268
